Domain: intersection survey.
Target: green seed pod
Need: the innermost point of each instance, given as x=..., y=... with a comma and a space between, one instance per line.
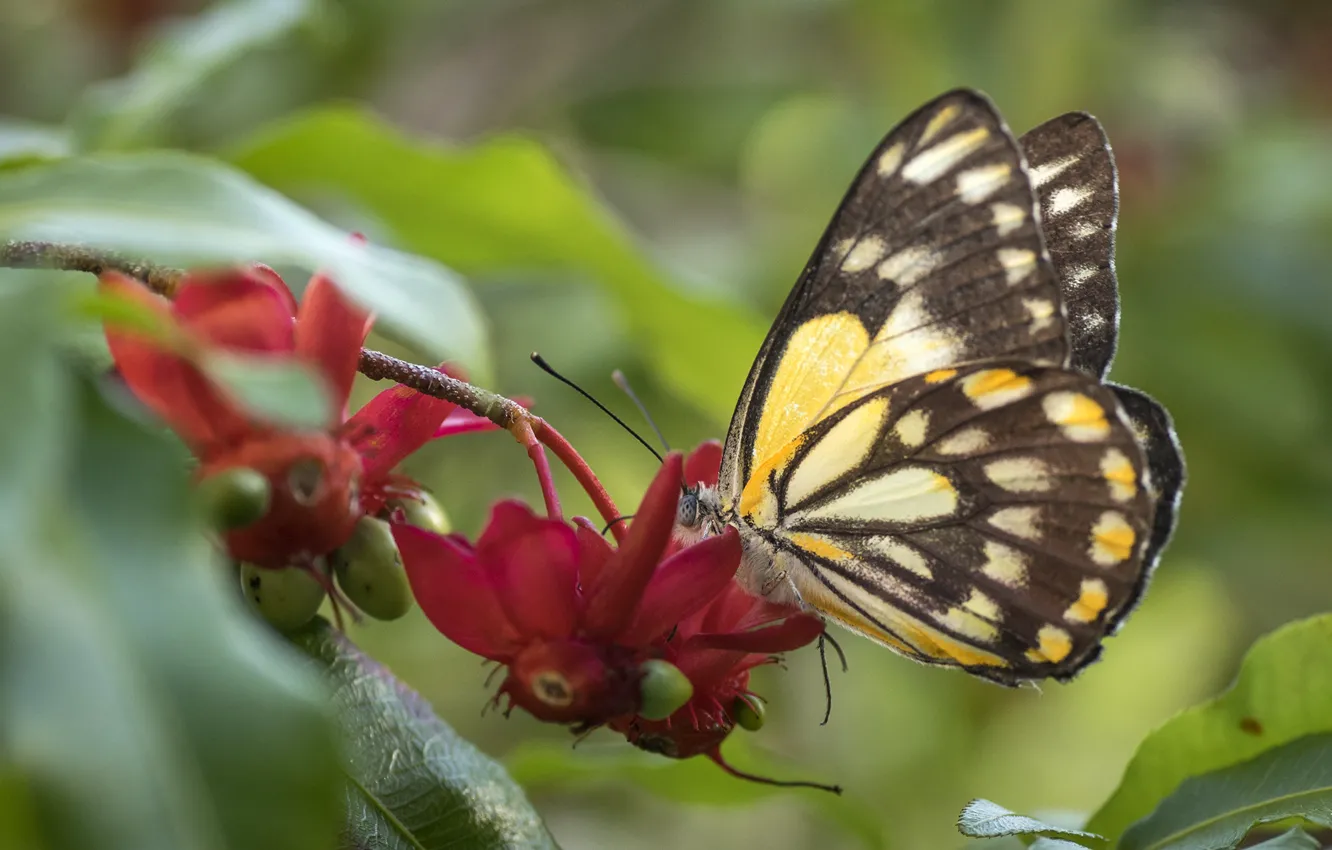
x=369, y=571
x=235, y=497
x=287, y=598
x=425, y=513
x=664, y=689
x=748, y=712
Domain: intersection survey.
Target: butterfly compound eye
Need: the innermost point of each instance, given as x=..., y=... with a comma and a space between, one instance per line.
x=686, y=514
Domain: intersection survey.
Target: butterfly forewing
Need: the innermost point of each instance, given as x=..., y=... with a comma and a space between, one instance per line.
x=993, y=517
x=933, y=258
x=1073, y=171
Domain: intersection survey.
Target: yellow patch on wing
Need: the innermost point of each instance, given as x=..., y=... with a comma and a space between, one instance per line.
x=938, y=121
x=1119, y=475
x=975, y=619
x=813, y=367
x=891, y=160
x=990, y=388
x=903, y=494
x=902, y=554
x=938, y=376
x=819, y=546
x=1092, y=599
x=907, y=344
x=845, y=447
x=1078, y=416
x=1112, y=539
x=1054, y=645
x=757, y=501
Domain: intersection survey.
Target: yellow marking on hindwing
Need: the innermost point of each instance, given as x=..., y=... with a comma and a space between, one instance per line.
x=1119, y=475
x=1021, y=521
x=903, y=494
x=1054, y=645
x=904, y=555
x=938, y=121
x=990, y=388
x=1092, y=599
x=938, y=376
x=1018, y=263
x=816, y=360
x=1004, y=564
x=974, y=619
x=757, y=501
x=891, y=160
x=845, y=447
x=931, y=164
x=1078, y=416
x=1112, y=539
x=819, y=546
x=976, y=184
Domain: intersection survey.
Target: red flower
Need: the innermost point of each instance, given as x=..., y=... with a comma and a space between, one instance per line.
x=571, y=617
x=322, y=481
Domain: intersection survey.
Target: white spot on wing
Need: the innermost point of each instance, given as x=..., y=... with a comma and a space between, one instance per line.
x=931, y=164
x=1007, y=217
x=909, y=265
x=864, y=254
x=891, y=160
x=905, y=556
x=904, y=494
x=1004, y=564
x=976, y=184
x=910, y=429
x=1020, y=522
x=1066, y=198
x=1020, y=474
x=1041, y=311
x=1078, y=275
x=1042, y=174
x=842, y=449
x=938, y=121
x=1018, y=263
x=975, y=619
x=965, y=442
x=1084, y=230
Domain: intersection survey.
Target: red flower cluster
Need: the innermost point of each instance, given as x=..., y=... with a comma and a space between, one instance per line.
x=322, y=481
x=574, y=619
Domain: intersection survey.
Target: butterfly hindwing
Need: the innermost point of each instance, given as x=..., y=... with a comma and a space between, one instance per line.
x=1073, y=171
x=933, y=258
x=994, y=517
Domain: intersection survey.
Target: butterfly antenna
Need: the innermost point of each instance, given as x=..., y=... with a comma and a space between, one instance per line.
x=827, y=680
x=548, y=369
x=623, y=383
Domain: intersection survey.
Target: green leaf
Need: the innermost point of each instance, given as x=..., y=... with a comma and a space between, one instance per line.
x=695, y=781
x=173, y=208
x=22, y=142
x=174, y=68
x=279, y=390
x=985, y=819
x=1294, y=839
x=140, y=708
x=507, y=206
x=413, y=783
x=1283, y=691
x=1215, y=811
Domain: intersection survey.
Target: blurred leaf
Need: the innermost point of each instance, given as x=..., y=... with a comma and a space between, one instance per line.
x=1283, y=692
x=507, y=206
x=1214, y=811
x=142, y=706
x=174, y=68
x=984, y=819
x=22, y=142
x=282, y=391
x=413, y=783
x=1294, y=839
x=695, y=781
x=181, y=209
x=125, y=313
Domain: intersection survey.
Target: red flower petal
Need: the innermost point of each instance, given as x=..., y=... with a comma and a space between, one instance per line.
x=330, y=331
x=168, y=384
x=684, y=583
x=456, y=594
x=537, y=575
x=509, y=519
x=392, y=425
x=703, y=464
x=593, y=551
x=611, y=602
x=235, y=309
x=279, y=285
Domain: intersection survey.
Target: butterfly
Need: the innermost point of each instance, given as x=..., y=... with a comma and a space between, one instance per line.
x=926, y=450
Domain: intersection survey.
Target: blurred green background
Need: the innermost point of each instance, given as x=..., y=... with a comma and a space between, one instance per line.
x=721, y=133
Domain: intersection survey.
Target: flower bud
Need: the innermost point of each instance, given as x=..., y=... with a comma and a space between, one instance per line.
x=423, y=512
x=287, y=598
x=369, y=570
x=235, y=497
x=664, y=689
x=748, y=712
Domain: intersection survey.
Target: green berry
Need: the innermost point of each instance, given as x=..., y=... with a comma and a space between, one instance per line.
x=423, y=513
x=287, y=598
x=664, y=689
x=234, y=498
x=369, y=570
x=748, y=712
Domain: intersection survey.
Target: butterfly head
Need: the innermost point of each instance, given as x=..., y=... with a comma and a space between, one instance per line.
x=699, y=514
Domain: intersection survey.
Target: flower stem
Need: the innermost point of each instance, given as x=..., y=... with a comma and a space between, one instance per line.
x=531, y=431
